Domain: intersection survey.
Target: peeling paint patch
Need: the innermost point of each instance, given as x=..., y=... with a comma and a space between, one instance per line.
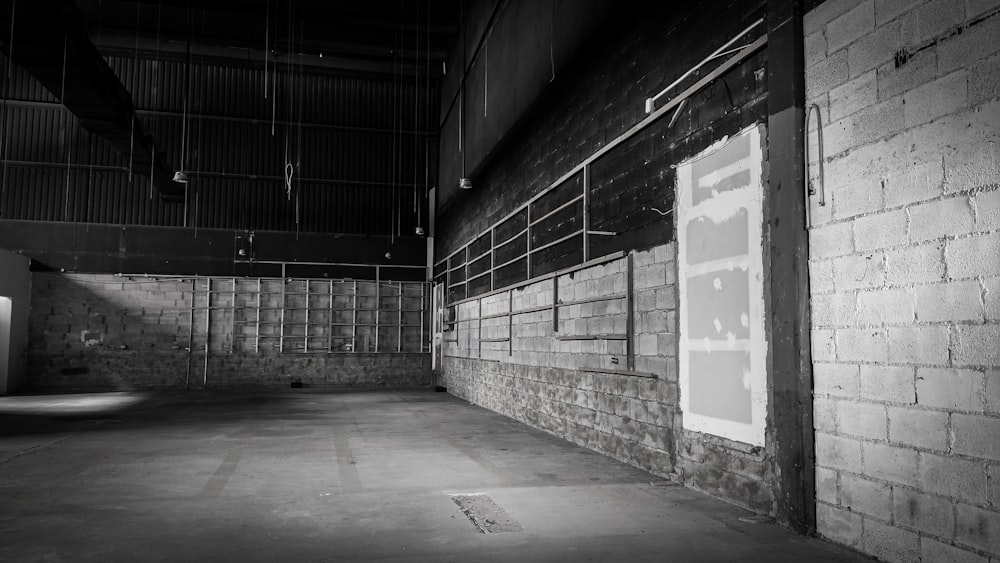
x=91, y=338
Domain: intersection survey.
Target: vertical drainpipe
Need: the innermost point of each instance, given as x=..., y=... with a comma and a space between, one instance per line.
x=790, y=413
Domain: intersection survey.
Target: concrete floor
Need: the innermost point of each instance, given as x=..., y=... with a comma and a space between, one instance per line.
x=303, y=475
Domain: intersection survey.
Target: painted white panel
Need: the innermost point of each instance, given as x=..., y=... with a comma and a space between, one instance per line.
x=6, y=307
x=722, y=351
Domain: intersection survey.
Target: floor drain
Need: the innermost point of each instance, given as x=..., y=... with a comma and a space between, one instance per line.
x=485, y=514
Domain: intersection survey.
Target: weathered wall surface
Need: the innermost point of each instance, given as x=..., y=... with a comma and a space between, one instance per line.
x=91, y=331
x=905, y=276
x=572, y=377
x=583, y=389
x=15, y=284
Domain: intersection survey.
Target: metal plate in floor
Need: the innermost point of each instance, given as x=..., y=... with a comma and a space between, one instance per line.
x=485, y=514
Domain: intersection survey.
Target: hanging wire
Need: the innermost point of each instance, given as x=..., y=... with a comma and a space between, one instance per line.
x=187, y=88
x=552, y=41
x=267, y=40
x=416, y=111
x=427, y=109
x=135, y=63
x=66, y=134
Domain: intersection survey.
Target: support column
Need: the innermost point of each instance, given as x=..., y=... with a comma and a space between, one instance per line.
x=790, y=402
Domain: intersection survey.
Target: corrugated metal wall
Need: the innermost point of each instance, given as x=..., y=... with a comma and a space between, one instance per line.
x=359, y=145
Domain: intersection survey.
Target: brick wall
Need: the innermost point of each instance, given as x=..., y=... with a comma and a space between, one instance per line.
x=572, y=377
x=101, y=332
x=905, y=276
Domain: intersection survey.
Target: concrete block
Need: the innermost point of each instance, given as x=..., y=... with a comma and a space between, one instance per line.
x=849, y=27
x=941, y=218
x=987, y=210
x=927, y=345
x=992, y=376
x=857, y=272
x=894, y=384
x=945, y=95
x=973, y=44
x=978, y=527
x=835, y=452
x=974, y=8
x=837, y=380
x=823, y=345
x=918, y=264
x=889, y=543
x=882, y=230
x=838, y=137
x=931, y=19
x=984, y=81
x=951, y=389
x=920, y=428
x=825, y=415
x=976, y=436
x=825, y=12
x=976, y=345
x=862, y=345
x=894, y=80
x=933, y=550
x=890, y=463
x=926, y=513
x=831, y=240
x=953, y=301
x=835, y=309
x=875, y=48
x=916, y=181
x=820, y=276
x=838, y=525
x=815, y=46
x=867, y=420
x=826, y=73
x=953, y=477
x=993, y=480
x=885, y=307
x=886, y=10
x=826, y=485
x=880, y=120
x=853, y=96
x=865, y=496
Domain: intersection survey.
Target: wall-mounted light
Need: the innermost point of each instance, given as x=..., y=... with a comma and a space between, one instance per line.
x=465, y=183
x=181, y=177
x=419, y=231
x=388, y=256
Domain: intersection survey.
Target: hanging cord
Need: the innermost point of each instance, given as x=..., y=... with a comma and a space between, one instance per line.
x=289, y=168
x=299, y=105
x=66, y=133
x=187, y=88
x=552, y=41
x=267, y=40
x=427, y=109
x=135, y=63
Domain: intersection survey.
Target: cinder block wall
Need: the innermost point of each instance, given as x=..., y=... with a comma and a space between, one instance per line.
x=905, y=276
x=548, y=376
x=105, y=332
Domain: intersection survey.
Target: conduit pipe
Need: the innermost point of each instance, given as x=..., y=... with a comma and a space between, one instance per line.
x=651, y=102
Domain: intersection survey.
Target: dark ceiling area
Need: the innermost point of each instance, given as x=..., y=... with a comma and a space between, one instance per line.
x=379, y=35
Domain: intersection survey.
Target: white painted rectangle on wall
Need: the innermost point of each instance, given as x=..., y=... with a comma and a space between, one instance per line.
x=722, y=350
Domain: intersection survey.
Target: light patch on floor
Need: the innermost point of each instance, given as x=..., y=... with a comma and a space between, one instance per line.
x=485, y=514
